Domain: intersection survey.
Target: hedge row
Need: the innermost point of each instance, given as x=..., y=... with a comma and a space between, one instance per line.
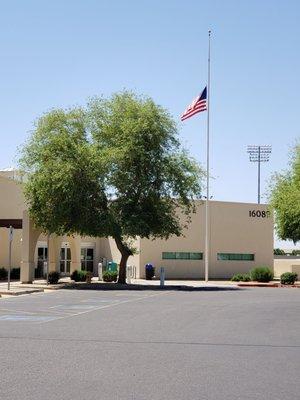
x=264, y=274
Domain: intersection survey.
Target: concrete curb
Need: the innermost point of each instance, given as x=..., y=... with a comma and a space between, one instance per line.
x=19, y=292
x=267, y=284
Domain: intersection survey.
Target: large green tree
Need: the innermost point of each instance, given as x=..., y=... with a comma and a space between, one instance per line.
x=114, y=168
x=285, y=200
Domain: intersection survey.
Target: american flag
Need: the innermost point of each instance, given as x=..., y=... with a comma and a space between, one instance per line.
x=198, y=105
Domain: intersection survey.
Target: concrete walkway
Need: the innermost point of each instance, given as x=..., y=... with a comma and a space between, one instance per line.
x=17, y=288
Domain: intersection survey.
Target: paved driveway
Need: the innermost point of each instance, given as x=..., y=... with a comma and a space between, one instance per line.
x=214, y=345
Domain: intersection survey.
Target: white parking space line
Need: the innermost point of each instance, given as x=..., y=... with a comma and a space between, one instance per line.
x=108, y=306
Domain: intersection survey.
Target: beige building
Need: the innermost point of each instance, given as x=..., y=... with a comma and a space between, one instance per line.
x=241, y=237
x=288, y=263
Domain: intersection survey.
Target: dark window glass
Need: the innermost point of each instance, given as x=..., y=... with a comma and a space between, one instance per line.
x=181, y=255
x=196, y=256
x=87, y=259
x=89, y=254
x=40, y=252
x=168, y=255
x=235, y=257
x=62, y=266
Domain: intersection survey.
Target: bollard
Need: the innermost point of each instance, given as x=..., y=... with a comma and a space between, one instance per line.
x=129, y=274
x=162, y=276
x=100, y=269
x=11, y=235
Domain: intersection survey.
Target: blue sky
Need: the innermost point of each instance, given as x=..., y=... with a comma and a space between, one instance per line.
x=58, y=53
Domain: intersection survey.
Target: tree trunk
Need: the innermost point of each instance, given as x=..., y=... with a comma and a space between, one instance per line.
x=125, y=253
x=122, y=270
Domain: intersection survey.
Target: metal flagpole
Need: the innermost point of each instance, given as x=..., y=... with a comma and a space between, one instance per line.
x=258, y=178
x=207, y=233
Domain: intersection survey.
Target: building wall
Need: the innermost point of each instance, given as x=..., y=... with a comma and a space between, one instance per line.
x=4, y=248
x=286, y=264
x=12, y=202
x=11, y=207
x=232, y=230
x=12, y=173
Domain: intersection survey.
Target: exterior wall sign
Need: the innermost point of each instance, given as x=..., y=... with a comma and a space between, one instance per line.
x=259, y=214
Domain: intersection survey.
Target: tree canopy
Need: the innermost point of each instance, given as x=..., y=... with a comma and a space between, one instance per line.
x=113, y=168
x=285, y=200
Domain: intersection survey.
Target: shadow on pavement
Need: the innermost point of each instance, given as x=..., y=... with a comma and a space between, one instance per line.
x=118, y=286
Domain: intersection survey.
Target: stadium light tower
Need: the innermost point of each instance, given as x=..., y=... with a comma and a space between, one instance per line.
x=259, y=154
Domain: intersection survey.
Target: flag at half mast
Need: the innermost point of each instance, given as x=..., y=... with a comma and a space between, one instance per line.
x=198, y=105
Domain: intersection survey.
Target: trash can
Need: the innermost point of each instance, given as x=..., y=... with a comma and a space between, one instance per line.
x=112, y=267
x=149, y=271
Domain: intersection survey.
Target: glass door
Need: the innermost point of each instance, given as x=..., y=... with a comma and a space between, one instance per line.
x=42, y=253
x=87, y=259
x=65, y=260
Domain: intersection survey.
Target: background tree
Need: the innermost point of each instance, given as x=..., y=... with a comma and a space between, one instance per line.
x=285, y=200
x=278, y=252
x=115, y=169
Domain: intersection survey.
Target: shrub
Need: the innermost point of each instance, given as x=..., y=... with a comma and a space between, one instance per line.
x=15, y=273
x=3, y=274
x=110, y=276
x=261, y=274
x=53, y=277
x=288, y=278
x=79, y=276
x=88, y=277
x=241, y=278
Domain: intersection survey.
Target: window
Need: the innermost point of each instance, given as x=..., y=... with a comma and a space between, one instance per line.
x=235, y=257
x=196, y=256
x=87, y=259
x=167, y=255
x=180, y=255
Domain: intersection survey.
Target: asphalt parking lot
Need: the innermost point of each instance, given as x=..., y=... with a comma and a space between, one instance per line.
x=214, y=345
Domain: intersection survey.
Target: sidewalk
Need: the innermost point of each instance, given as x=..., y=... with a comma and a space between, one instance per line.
x=17, y=288
x=186, y=283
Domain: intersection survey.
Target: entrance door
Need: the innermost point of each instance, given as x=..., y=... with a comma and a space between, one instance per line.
x=42, y=258
x=87, y=259
x=65, y=260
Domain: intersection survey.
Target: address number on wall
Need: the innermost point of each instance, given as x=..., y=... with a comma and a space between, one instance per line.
x=259, y=214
